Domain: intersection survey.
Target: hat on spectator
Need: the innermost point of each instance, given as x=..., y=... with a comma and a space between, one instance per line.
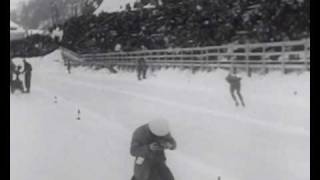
x=159, y=127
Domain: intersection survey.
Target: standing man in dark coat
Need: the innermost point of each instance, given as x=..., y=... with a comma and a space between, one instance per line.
x=142, y=69
x=69, y=66
x=235, y=86
x=27, y=75
x=148, y=145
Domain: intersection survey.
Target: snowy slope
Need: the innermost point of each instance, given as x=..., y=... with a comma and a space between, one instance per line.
x=113, y=5
x=16, y=31
x=269, y=139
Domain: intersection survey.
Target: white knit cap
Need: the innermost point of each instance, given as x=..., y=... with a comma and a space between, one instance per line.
x=159, y=127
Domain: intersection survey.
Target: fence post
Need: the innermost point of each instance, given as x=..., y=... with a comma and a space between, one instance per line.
x=306, y=46
x=183, y=59
x=218, y=57
x=247, y=60
x=283, y=50
x=179, y=58
x=205, y=58
x=129, y=60
x=231, y=58
x=264, y=59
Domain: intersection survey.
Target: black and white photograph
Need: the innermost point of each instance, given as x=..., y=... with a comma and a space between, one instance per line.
x=159, y=89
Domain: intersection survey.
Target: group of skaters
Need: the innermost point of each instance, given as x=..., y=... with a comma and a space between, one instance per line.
x=233, y=79
x=15, y=72
x=151, y=140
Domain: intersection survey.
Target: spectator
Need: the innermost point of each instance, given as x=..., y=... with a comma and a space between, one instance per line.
x=118, y=48
x=142, y=69
x=27, y=75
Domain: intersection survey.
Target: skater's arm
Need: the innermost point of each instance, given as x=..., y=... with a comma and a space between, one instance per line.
x=170, y=142
x=138, y=148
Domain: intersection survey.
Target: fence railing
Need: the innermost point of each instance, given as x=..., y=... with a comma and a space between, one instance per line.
x=278, y=55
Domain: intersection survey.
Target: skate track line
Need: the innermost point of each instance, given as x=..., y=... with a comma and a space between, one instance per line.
x=275, y=126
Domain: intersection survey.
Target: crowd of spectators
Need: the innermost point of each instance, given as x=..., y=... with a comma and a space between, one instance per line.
x=189, y=23
x=32, y=46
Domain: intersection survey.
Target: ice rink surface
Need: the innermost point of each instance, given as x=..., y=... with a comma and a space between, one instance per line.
x=267, y=140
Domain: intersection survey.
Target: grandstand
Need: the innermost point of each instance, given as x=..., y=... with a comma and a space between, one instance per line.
x=189, y=23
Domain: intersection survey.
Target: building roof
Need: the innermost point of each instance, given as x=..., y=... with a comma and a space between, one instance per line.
x=16, y=31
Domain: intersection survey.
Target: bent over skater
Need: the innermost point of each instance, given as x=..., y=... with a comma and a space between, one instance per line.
x=148, y=145
x=235, y=86
x=17, y=83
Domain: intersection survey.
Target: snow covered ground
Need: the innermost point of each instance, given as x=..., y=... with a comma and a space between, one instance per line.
x=267, y=140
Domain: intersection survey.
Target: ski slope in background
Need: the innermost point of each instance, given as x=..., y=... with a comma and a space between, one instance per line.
x=267, y=140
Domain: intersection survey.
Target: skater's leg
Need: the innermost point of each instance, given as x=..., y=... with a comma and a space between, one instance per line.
x=20, y=86
x=11, y=85
x=165, y=173
x=144, y=73
x=139, y=74
x=240, y=97
x=28, y=82
x=11, y=78
x=233, y=96
x=14, y=87
x=28, y=86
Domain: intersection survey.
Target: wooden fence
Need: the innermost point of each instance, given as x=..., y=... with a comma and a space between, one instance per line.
x=279, y=55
